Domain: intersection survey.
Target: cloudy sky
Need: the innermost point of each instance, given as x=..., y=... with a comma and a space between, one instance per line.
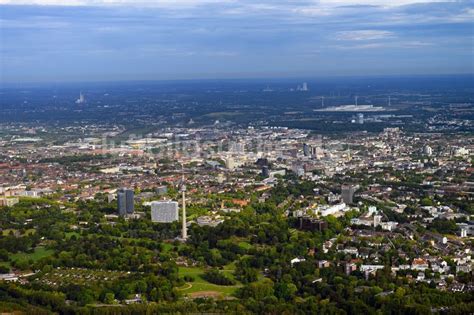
x=56, y=40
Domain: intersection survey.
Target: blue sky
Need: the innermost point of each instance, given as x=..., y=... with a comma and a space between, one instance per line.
x=46, y=40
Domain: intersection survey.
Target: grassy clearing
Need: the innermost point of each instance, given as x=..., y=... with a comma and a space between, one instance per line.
x=201, y=285
x=7, y=232
x=70, y=234
x=37, y=254
x=245, y=245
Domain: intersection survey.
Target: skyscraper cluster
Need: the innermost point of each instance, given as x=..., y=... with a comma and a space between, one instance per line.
x=303, y=87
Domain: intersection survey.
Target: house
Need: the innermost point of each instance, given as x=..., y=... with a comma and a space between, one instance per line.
x=421, y=276
x=419, y=264
x=296, y=261
x=136, y=299
x=323, y=264
x=350, y=251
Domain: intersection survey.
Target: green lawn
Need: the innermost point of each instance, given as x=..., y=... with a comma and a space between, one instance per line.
x=7, y=231
x=170, y=246
x=199, y=284
x=70, y=234
x=38, y=253
x=27, y=232
x=245, y=245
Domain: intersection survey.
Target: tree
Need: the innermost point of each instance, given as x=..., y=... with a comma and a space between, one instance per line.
x=216, y=277
x=285, y=291
x=109, y=298
x=257, y=290
x=3, y=254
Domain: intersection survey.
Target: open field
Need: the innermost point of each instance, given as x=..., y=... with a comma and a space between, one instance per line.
x=199, y=285
x=37, y=254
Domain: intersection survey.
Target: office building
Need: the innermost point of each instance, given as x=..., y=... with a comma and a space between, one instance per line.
x=265, y=171
x=125, y=201
x=347, y=193
x=262, y=162
x=427, y=150
x=306, y=150
x=164, y=211
x=230, y=163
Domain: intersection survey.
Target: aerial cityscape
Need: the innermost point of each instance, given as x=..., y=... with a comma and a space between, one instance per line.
x=247, y=189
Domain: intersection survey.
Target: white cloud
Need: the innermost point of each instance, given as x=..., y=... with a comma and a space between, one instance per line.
x=313, y=11
x=364, y=35
x=384, y=3
x=385, y=45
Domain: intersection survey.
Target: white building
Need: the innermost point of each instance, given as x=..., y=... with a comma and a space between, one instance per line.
x=389, y=226
x=164, y=211
x=459, y=151
x=230, y=163
x=326, y=210
x=372, y=210
x=428, y=150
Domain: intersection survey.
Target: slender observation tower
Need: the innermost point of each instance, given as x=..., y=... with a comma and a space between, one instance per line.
x=184, y=231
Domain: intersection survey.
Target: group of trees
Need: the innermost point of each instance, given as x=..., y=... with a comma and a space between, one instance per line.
x=217, y=277
x=443, y=226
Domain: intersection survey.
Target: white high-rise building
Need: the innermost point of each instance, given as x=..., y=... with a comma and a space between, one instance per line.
x=164, y=211
x=230, y=163
x=81, y=99
x=303, y=87
x=427, y=150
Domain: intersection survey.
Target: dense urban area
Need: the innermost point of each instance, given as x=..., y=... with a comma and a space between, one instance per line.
x=238, y=197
